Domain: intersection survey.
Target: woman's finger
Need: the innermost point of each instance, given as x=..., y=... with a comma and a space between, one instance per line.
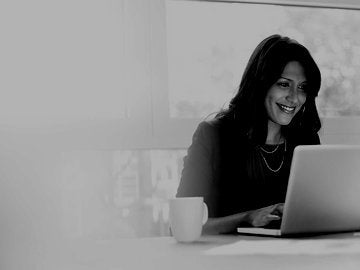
x=277, y=209
x=273, y=217
x=280, y=207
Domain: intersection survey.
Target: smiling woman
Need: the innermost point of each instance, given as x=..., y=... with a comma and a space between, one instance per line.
x=240, y=160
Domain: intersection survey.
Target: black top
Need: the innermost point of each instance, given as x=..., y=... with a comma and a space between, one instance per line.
x=216, y=168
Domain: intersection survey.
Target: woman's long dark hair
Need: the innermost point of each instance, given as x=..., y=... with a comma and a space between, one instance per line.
x=264, y=68
x=247, y=114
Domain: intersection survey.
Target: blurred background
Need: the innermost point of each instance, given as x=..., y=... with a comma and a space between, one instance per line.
x=99, y=101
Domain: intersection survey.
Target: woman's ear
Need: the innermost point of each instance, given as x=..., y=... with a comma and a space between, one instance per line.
x=303, y=109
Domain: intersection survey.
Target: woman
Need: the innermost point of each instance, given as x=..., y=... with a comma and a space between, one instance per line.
x=240, y=160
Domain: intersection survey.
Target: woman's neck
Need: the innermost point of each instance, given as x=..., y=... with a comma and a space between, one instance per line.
x=274, y=135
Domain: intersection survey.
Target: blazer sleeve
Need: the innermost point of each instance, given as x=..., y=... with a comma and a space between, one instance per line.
x=197, y=178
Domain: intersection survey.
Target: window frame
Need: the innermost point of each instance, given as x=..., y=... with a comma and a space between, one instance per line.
x=341, y=4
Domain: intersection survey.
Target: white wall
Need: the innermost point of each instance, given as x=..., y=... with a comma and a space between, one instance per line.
x=75, y=74
x=76, y=71
x=61, y=61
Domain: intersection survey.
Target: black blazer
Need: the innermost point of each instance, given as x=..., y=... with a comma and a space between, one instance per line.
x=216, y=168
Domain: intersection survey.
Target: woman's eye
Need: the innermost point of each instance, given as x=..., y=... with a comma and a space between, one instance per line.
x=283, y=84
x=302, y=87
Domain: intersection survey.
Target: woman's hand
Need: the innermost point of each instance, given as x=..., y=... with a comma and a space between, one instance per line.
x=256, y=218
x=263, y=216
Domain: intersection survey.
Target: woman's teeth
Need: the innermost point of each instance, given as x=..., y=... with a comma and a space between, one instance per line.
x=286, y=109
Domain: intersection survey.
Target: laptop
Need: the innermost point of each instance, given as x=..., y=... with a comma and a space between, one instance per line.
x=323, y=194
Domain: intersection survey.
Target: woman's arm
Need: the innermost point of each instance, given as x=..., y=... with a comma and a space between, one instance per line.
x=254, y=218
x=226, y=224
x=197, y=177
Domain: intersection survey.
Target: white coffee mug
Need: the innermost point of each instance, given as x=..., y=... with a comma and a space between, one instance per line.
x=187, y=216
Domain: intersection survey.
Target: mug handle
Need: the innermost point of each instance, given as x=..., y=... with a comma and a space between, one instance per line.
x=205, y=214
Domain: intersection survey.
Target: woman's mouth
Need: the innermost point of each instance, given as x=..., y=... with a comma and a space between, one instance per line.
x=286, y=109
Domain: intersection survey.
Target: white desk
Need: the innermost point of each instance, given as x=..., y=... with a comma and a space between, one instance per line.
x=210, y=252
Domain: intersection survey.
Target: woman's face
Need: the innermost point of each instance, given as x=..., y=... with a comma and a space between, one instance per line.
x=285, y=98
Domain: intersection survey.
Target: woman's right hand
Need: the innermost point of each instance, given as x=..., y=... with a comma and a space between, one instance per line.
x=256, y=218
x=263, y=216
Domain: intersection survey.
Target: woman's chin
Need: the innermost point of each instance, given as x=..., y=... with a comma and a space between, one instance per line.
x=285, y=120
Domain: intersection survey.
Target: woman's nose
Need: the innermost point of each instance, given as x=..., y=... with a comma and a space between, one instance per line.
x=292, y=95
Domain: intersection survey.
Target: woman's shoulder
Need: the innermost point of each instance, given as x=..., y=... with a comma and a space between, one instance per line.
x=220, y=130
x=207, y=129
x=213, y=126
x=213, y=123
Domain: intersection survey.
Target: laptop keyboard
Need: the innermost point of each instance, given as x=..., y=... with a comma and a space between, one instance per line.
x=275, y=224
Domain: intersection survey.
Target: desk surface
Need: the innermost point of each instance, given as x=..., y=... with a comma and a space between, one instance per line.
x=341, y=251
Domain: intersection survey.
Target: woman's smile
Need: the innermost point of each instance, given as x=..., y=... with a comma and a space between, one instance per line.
x=286, y=109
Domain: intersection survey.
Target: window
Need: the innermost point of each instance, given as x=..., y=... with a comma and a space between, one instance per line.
x=210, y=42
x=208, y=51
